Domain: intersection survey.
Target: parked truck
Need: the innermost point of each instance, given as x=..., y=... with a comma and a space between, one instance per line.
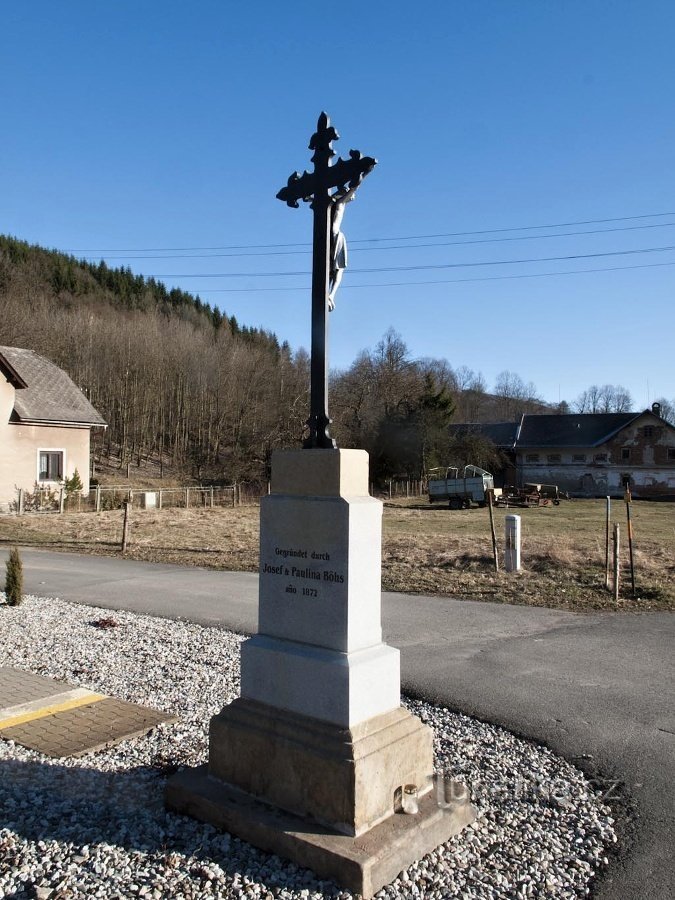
x=460, y=491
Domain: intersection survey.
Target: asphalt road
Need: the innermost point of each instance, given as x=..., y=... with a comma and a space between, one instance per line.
x=595, y=688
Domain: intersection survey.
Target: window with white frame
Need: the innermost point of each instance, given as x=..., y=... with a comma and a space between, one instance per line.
x=50, y=465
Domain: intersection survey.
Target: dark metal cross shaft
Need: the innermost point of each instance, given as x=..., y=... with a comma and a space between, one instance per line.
x=325, y=187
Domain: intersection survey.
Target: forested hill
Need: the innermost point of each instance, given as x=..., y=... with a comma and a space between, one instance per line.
x=72, y=281
x=175, y=379
x=183, y=386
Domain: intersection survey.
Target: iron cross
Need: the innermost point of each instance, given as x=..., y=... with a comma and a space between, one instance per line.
x=325, y=188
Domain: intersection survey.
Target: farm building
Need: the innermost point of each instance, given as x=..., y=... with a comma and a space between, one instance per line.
x=45, y=425
x=588, y=454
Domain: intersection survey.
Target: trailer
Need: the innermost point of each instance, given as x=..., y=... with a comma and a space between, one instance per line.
x=460, y=491
x=530, y=495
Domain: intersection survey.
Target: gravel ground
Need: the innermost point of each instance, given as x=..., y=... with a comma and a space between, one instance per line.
x=96, y=827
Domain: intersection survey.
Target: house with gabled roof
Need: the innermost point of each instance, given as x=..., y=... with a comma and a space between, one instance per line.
x=588, y=454
x=45, y=425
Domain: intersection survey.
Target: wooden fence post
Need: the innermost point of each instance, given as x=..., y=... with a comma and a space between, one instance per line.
x=125, y=526
x=608, y=507
x=187, y=498
x=62, y=500
x=616, y=561
x=160, y=498
x=629, y=524
x=211, y=496
x=19, y=507
x=98, y=498
x=492, y=530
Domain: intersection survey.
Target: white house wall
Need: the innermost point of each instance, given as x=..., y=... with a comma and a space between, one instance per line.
x=19, y=445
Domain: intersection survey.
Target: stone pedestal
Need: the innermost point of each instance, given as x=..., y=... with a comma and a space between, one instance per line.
x=318, y=734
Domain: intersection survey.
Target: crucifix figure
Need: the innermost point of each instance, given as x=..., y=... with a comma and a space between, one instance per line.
x=328, y=188
x=338, y=249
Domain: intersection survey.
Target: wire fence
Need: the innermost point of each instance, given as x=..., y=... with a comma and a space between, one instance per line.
x=100, y=498
x=402, y=487
x=103, y=498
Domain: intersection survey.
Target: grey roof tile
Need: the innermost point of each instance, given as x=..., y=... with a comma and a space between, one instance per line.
x=50, y=396
x=572, y=430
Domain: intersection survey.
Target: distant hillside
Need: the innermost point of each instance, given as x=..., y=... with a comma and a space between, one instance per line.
x=69, y=281
x=176, y=380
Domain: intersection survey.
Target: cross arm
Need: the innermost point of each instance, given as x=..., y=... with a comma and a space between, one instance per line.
x=347, y=174
x=298, y=187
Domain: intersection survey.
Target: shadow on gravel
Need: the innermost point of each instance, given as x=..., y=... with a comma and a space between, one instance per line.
x=87, y=811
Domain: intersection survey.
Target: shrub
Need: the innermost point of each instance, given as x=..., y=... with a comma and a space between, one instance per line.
x=14, y=578
x=73, y=484
x=40, y=499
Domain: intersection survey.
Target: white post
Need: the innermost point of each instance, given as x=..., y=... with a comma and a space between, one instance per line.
x=512, y=543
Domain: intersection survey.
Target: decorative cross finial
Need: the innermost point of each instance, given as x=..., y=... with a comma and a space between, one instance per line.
x=327, y=189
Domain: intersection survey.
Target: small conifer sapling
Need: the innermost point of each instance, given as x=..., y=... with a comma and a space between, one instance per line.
x=14, y=578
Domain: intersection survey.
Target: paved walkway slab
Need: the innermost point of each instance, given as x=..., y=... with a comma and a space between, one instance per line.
x=60, y=719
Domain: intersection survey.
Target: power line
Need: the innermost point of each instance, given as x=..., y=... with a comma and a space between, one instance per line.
x=345, y=287
x=460, y=265
x=371, y=240
x=527, y=237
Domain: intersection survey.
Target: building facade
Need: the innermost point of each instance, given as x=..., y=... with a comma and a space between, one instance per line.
x=45, y=425
x=589, y=454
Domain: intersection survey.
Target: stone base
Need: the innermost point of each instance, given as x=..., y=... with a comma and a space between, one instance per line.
x=361, y=864
x=342, y=689
x=346, y=779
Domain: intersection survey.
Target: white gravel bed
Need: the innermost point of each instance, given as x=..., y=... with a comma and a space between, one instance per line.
x=96, y=826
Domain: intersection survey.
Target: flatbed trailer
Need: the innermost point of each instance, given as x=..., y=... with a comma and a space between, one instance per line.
x=461, y=491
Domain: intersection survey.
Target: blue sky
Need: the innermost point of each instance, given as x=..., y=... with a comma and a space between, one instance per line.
x=132, y=125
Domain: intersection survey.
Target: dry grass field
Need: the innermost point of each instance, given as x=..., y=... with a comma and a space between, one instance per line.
x=425, y=549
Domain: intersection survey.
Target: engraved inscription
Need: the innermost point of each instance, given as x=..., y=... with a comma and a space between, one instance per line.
x=290, y=571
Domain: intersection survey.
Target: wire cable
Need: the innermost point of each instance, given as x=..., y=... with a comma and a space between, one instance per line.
x=370, y=240
x=527, y=237
x=345, y=286
x=459, y=265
